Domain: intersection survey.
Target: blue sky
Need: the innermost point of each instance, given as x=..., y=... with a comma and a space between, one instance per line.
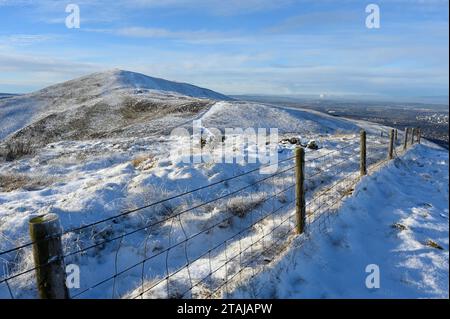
x=281, y=47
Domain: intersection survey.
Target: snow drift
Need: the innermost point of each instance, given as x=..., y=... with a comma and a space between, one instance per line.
x=397, y=219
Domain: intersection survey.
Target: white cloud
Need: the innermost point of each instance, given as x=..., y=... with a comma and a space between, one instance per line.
x=15, y=2
x=25, y=39
x=188, y=36
x=221, y=7
x=31, y=64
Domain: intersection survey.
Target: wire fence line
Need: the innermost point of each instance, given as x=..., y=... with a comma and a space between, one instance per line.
x=203, y=249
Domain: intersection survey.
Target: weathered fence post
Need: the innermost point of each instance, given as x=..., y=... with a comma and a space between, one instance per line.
x=300, y=208
x=391, y=145
x=396, y=136
x=362, y=160
x=419, y=135
x=405, y=143
x=45, y=233
x=413, y=132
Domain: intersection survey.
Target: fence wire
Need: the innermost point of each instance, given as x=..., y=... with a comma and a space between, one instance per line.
x=190, y=246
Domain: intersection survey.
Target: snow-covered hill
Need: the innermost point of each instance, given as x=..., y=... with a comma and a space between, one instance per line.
x=6, y=95
x=100, y=99
x=287, y=120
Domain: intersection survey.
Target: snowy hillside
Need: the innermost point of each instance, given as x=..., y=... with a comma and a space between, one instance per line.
x=397, y=219
x=6, y=95
x=256, y=115
x=102, y=99
x=104, y=149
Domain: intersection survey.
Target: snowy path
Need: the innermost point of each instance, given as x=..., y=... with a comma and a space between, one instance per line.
x=412, y=194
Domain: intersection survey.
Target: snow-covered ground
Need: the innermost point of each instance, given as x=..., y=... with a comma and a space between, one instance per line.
x=392, y=221
x=90, y=178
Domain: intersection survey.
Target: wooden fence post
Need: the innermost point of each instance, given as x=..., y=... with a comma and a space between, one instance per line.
x=362, y=159
x=419, y=135
x=45, y=233
x=405, y=143
x=391, y=145
x=300, y=208
x=413, y=132
x=396, y=136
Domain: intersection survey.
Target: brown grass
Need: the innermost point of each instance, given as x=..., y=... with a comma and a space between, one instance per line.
x=11, y=182
x=240, y=206
x=399, y=226
x=139, y=161
x=347, y=191
x=432, y=243
x=16, y=149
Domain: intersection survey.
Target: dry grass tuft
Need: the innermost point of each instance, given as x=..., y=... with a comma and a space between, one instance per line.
x=144, y=162
x=241, y=206
x=432, y=243
x=399, y=226
x=11, y=182
x=15, y=150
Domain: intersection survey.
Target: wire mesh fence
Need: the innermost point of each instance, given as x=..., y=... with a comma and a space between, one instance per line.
x=203, y=242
